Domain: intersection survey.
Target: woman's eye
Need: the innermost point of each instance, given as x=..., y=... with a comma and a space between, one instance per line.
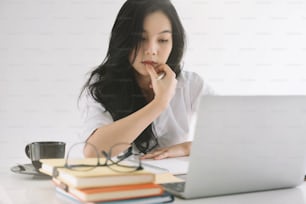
x=163, y=40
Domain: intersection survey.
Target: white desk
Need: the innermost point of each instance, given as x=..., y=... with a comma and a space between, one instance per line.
x=26, y=189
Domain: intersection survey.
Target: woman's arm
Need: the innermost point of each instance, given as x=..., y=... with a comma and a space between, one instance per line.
x=129, y=128
x=124, y=130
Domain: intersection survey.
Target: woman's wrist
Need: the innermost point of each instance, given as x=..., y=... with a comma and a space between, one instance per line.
x=160, y=104
x=187, y=148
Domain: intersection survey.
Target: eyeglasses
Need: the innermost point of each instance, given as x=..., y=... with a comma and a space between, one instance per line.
x=111, y=159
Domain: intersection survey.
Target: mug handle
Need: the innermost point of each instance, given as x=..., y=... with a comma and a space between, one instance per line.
x=27, y=151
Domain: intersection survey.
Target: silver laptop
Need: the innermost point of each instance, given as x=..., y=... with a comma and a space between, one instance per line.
x=246, y=144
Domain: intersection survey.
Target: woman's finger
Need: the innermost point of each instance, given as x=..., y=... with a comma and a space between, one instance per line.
x=151, y=71
x=161, y=153
x=150, y=155
x=165, y=70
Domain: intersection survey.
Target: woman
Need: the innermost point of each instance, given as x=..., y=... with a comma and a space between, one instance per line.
x=139, y=94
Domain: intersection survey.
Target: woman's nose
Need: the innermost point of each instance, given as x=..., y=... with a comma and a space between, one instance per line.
x=151, y=49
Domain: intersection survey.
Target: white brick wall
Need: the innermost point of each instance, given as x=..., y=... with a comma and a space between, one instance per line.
x=46, y=48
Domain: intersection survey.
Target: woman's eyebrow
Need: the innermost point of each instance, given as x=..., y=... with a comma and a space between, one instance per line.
x=162, y=32
x=165, y=31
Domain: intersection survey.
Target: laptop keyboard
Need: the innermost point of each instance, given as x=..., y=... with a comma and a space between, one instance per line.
x=179, y=187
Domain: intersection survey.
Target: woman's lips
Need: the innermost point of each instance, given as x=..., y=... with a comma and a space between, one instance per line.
x=152, y=63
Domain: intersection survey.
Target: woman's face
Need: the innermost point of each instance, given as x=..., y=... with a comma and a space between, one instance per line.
x=156, y=44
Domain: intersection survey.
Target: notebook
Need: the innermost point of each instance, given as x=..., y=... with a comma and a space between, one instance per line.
x=245, y=144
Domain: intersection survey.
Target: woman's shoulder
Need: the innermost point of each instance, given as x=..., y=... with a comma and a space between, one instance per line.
x=188, y=77
x=193, y=81
x=86, y=101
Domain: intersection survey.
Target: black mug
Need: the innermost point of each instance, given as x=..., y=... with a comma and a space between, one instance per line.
x=44, y=150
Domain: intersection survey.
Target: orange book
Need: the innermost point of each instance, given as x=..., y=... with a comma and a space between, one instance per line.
x=111, y=193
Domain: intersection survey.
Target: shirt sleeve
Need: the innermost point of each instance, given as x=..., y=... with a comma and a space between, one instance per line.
x=93, y=115
x=208, y=90
x=197, y=89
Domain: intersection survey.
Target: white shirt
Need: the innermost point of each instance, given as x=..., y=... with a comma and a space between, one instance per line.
x=173, y=126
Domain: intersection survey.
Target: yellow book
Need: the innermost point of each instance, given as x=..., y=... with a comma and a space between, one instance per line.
x=97, y=177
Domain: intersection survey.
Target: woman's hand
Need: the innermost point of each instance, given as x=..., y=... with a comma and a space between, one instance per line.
x=178, y=150
x=164, y=88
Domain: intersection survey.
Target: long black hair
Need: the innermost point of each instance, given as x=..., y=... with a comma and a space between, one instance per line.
x=113, y=83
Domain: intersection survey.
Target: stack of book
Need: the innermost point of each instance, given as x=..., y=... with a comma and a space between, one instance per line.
x=103, y=185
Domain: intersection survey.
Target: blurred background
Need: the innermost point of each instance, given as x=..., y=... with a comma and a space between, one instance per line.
x=47, y=47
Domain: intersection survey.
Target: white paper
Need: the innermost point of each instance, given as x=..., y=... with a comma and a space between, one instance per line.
x=176, y=166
